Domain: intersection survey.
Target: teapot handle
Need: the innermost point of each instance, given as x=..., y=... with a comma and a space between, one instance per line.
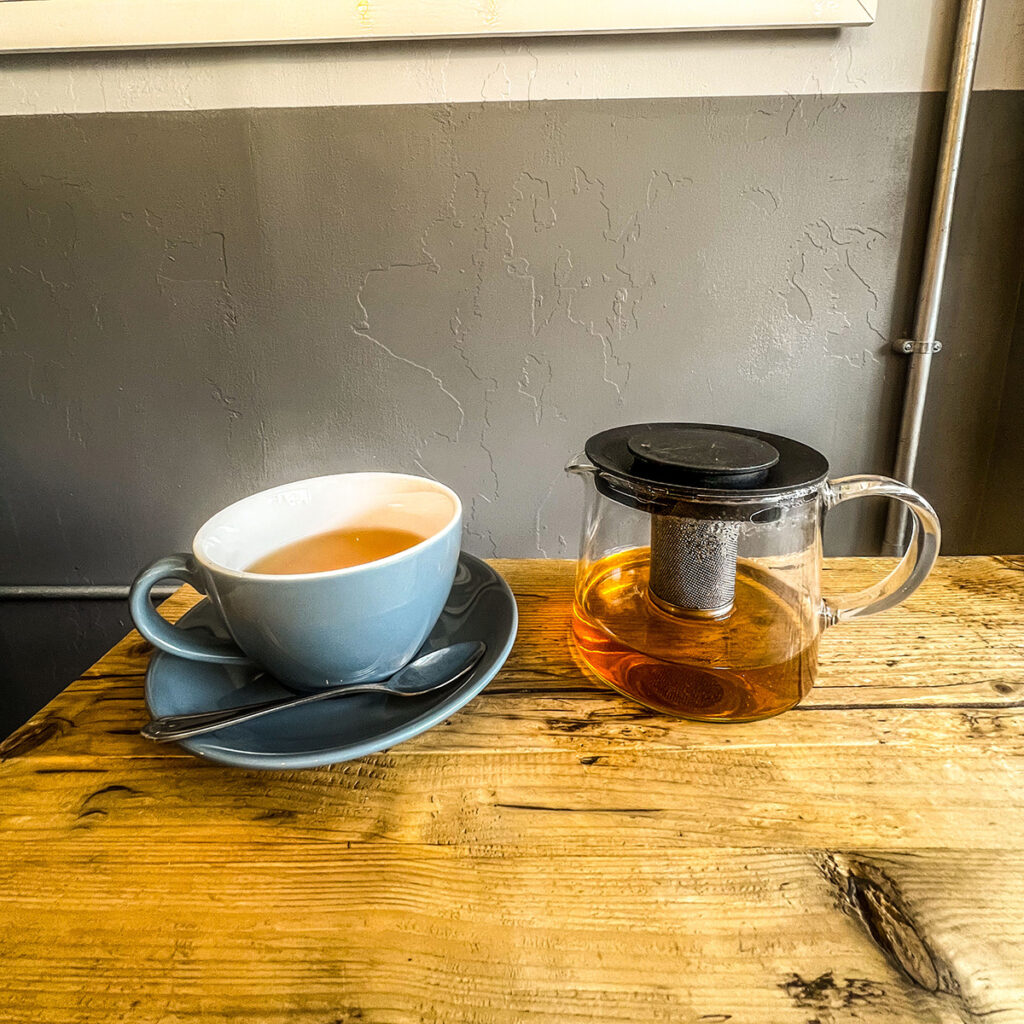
x=912, y=569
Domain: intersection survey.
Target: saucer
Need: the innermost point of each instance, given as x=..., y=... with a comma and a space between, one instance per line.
x=479, y=607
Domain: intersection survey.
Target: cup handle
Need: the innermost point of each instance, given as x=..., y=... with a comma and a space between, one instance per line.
x=159, y=632
x=915, y=565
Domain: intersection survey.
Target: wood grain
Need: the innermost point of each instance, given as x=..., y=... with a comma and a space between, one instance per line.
x=552, y=852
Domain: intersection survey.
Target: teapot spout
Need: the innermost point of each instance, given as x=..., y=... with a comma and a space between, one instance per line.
x=579, y=465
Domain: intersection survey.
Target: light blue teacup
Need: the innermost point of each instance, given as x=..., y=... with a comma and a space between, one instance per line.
x=312, y=630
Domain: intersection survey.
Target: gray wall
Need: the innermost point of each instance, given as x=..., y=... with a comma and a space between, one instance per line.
x=999, y=522
x=973, y=459
x=197, y=305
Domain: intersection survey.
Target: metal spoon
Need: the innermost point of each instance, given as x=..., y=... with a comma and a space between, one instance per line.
x=428, y=672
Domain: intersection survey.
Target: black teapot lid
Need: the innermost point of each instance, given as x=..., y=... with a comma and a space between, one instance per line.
x=685, y=458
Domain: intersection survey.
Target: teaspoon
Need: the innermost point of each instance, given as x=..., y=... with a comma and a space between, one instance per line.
x=428, y=672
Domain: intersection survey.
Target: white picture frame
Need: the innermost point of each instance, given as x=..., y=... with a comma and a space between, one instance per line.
x=55, y=25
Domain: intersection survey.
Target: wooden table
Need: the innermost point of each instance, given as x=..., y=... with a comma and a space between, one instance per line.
x=552, y=852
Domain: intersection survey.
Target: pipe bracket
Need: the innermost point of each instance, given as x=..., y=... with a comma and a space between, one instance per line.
x=907, y=346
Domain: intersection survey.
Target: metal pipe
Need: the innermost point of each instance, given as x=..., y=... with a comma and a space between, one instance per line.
x=923, y=345
x=74, y=592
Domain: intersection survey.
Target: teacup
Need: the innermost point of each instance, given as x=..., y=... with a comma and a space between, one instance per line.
x=315, y=629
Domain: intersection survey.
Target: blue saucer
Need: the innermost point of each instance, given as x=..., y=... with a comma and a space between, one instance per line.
x=480, y=607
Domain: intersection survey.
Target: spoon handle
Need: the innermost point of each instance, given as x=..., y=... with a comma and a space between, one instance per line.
x=430, y=671
x=181, y=727
x=202, y=717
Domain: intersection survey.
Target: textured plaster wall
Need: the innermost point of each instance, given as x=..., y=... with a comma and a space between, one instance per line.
x=197, y=305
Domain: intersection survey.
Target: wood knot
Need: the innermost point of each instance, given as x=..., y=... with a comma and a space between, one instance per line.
x=1014, y=562
x=278, y=814
x=982, y=724
x=866, y=892
x=33, y=734
x=137, y=648
x=99, y=804
x=826, y=993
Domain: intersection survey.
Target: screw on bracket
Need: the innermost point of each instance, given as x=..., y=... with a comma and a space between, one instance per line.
x=908, y=346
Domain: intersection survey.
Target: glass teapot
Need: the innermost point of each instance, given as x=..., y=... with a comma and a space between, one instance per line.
x=698, y=587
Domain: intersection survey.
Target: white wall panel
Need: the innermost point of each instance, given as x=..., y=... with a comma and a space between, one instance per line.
x=905, y=51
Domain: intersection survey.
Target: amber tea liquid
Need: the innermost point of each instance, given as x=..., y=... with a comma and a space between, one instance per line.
x=335, y=549
x=758, y=660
